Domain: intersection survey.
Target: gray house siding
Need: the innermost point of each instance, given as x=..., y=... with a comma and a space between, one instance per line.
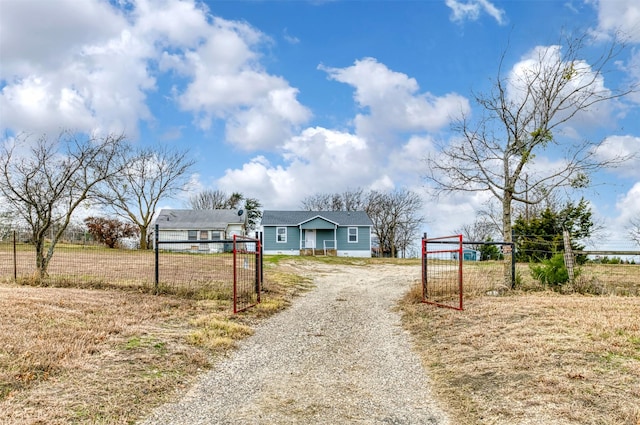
x=325, y=235
x=330, y=226
x=292, y=243
x=364, y=239
x=318, y=223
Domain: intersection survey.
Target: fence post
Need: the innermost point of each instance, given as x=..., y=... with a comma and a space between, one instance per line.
x=259, y=237
x=568, y=254
x=258, y=268
x=156, y=284
x=235, y=276
x=513, y=259
x=15, y=259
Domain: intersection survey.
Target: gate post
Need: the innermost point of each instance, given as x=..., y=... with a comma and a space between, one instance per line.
x=424, y=266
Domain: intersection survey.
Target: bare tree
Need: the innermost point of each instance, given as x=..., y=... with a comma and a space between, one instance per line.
x=44, y=181
x=218, y=199
x=634, y=229
x=349, y=200
x=396, y=219
x=354, y=199
x=148, y=175
x=481, y=230
x=522, y=115
x=324, y=202
x=209, y=200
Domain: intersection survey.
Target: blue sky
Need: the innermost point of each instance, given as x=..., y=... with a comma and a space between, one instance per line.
x=283, y=99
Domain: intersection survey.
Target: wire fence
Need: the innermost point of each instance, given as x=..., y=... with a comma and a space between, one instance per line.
x=199, y=274
x=611, y=267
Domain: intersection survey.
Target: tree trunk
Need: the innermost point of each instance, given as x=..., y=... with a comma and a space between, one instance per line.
x=41, y=259
x=507, y=237
x=143, y=237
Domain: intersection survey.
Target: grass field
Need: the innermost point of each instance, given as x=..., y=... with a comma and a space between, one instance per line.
x=109, y=355
x=532, y=358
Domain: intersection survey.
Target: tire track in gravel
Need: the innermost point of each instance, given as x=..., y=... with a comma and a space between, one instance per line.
x=338, y=355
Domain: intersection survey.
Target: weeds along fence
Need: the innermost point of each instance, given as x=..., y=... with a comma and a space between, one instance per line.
x=227, y=270
x=611, y=267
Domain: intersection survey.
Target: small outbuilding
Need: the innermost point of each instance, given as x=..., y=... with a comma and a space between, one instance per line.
x=468, y=255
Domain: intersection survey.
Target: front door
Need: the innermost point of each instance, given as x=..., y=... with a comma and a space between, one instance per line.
x=310, y=239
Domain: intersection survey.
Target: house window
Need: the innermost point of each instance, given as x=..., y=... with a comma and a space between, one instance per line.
x=216, y=235
x=353, y=234
x=192, y=235
x=281, y=234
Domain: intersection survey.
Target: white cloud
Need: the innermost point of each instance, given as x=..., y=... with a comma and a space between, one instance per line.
x=317, y=160
x=393, y=102
x=91, y=65
x=408, y=160
x=228, y=82
x=471, y=9
x=628, y=207
x=539, y=66
x=171, y=23
x=622, y=146
x=620, y=16
x=90, y=74
x=36, y=36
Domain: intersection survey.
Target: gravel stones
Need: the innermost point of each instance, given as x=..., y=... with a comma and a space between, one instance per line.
x=338, y=355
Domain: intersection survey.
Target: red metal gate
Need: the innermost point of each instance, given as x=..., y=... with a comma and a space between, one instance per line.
x=442, y=271
x=247, y=275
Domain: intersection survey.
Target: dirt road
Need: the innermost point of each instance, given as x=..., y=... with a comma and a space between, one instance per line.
x=337, y=356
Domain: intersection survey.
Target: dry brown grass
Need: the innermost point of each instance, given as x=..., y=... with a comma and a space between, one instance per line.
x=532, y=358
x=83, y=356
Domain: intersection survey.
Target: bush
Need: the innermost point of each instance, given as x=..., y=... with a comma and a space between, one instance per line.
x=552, y=272
x=109, y=230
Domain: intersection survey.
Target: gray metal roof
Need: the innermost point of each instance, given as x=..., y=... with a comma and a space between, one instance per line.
x=170, y=219
x=295, y=218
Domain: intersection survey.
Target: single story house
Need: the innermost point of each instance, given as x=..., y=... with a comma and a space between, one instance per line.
x=341, y=233
x=199, y=225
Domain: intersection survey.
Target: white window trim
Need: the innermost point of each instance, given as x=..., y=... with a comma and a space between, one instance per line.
x=278, y=234
x=349, y=234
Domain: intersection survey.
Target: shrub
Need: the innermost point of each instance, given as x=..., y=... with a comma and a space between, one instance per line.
x=552, y=272
x=109, y=230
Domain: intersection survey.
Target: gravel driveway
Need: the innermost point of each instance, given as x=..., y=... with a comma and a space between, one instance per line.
x=338, y=355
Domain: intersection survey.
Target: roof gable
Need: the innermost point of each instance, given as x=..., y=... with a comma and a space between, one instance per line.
x=297, y=218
